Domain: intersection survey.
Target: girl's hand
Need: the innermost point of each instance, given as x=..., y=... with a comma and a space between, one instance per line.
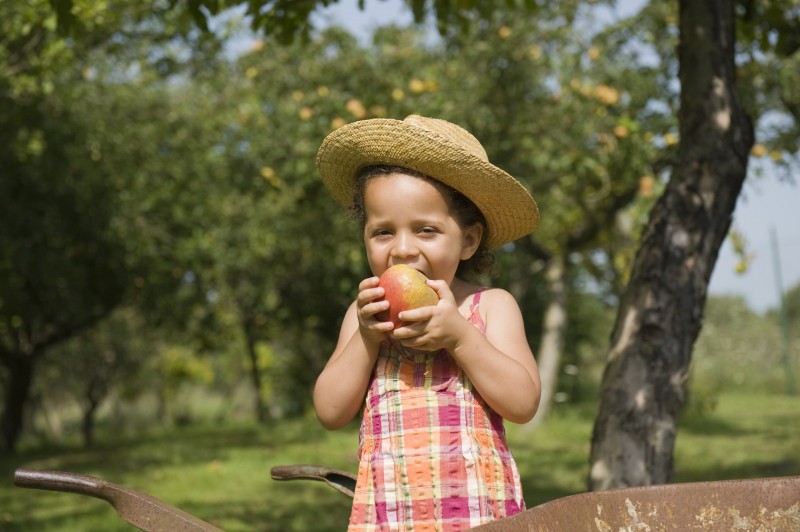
x=372, y=330
x=435, y=327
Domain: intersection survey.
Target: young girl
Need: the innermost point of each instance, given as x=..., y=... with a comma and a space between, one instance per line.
x=432, y=447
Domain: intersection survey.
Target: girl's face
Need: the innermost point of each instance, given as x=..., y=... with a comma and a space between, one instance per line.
x=409, y=222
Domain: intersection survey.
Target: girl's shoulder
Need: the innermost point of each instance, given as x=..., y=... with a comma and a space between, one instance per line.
x=491, y=297
x=498, y=310
x=489, y=300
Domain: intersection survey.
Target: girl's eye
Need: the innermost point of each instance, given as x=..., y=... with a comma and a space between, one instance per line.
x=381, y=232
x=427, y=230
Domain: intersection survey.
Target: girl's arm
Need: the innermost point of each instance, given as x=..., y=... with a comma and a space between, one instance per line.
x=340, y=388
x=500, y=364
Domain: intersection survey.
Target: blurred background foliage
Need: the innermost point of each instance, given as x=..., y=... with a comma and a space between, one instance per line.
x=169, y=255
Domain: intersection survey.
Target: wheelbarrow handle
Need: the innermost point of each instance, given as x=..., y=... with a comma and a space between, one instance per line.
x=137, y=508
x=339, y=480
x=59, y=481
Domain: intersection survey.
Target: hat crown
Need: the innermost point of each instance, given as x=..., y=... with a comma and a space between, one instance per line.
x=455, y=134
x=437, y=148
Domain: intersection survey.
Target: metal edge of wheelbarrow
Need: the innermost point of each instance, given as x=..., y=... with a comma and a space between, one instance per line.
x=765, y=504
x=137, y=508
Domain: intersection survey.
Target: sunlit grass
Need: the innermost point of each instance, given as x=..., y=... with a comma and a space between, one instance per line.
x=747, y=436
x=221, y=473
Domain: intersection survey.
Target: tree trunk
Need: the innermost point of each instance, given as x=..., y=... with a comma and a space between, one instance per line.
x=659, y=317
x=20, y=372
x=553, y=332
x=87, y=424
x=53, y=423
x=255, y=376
x=95, y=393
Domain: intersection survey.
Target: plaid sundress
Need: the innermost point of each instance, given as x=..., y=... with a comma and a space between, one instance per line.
x=432, y=454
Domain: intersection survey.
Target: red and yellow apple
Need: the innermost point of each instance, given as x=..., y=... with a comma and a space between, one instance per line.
x=404, y=288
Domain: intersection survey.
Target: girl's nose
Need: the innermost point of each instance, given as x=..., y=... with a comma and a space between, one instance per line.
x=404, y=246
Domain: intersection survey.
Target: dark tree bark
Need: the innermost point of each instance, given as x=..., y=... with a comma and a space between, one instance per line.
x=659, y=318
x=96, y=391
x=21, y=359
x=87, y=424
x=20, y=373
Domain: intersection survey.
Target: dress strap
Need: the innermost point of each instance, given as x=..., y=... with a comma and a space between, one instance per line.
x=476, y=300
x=474, y=313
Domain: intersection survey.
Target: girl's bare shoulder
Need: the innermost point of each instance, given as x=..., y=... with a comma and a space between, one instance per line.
x=498, y=302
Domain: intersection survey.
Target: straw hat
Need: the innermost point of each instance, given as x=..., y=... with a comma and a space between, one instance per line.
x=436, y=148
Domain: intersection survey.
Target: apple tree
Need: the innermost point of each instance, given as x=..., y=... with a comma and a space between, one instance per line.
x=661, y=309
x=78, y=240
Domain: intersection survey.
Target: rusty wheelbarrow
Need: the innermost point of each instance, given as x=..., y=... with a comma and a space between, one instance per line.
x=765, y=504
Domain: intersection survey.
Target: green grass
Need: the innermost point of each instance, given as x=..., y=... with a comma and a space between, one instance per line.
x=748, y=436
x=221, y=473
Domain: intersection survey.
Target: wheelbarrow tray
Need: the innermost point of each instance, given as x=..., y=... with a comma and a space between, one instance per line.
x=766, y=504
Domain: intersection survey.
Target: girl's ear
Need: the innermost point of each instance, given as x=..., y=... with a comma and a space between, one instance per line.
x=472, y=239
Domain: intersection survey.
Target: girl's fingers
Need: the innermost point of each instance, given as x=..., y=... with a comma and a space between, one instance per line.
x=416, y=342
x=369, y=282
x=374, y=307
x=416, y=315
x=441, y=288
x=368, y=295
x=409, y=332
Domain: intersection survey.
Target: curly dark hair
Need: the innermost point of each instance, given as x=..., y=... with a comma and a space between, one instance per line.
x=462, y=208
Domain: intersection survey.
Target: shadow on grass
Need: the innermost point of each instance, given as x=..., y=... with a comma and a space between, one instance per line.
x=753, y=469
x=178, y=446
x=65, y=508
x=299, y=507
x=709, y=425
x=552, y=472
x=543, y=488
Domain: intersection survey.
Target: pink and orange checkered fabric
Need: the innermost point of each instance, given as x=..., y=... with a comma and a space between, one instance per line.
x=433, y=455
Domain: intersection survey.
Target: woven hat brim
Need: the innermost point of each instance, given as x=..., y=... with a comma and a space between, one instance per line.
x=508, y=207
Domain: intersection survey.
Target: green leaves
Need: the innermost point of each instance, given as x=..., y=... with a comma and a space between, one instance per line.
x=150, y=168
